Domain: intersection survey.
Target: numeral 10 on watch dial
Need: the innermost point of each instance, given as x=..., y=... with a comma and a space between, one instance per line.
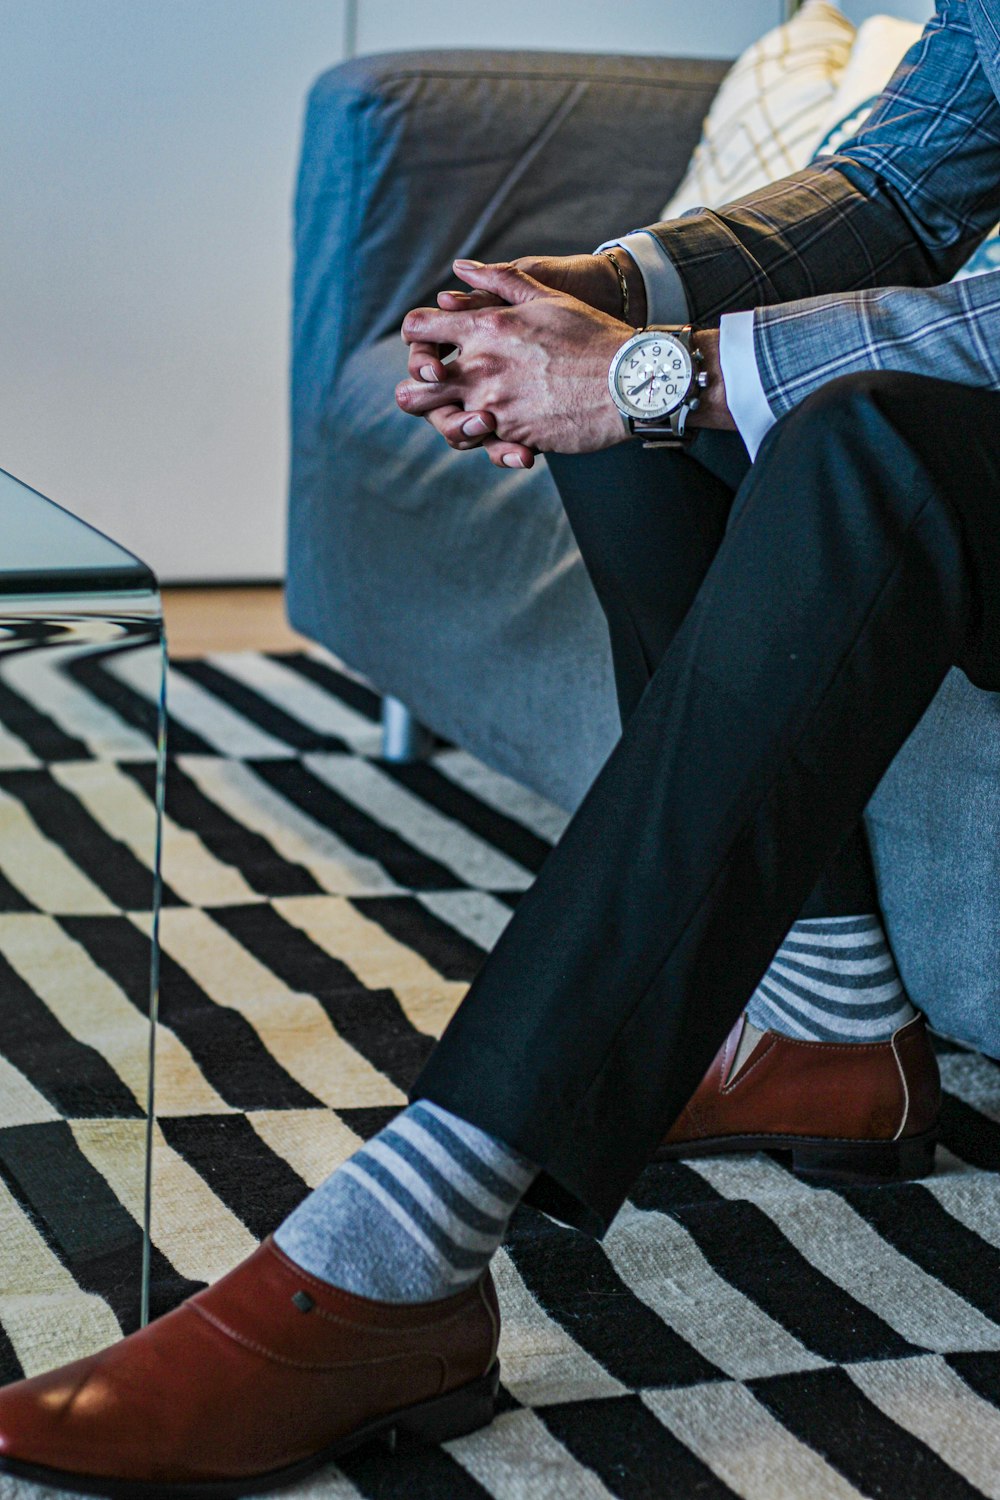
x=653, y=377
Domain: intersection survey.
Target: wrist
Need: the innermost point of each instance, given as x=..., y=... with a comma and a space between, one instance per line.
x=625, y=287
x=713, y=406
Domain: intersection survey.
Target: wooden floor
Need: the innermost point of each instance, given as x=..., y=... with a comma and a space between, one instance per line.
x=200, y=620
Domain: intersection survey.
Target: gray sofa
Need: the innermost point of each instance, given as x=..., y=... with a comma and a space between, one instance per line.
x=458, y=590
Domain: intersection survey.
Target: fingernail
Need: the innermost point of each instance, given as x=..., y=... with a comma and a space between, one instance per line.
x=474, y=427
x=428, y=373
x=513, y=461
x=470, y=265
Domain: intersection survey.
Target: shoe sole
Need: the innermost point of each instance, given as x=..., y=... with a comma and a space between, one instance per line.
x=454, y=1415
x=838, y=1162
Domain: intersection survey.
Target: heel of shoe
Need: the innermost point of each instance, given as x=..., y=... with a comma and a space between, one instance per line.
x=847, y=1162
x=452, y=1416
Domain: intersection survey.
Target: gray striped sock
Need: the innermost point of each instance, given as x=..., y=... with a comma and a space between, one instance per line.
x=414, y=1215
x=833, y=979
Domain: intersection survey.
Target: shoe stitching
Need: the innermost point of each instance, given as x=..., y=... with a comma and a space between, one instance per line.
x=906, y=1089
x=341, y=1321
x=822, y=1140
x=797, y=1041
x=760, y=1052
x=491, y=1315
x=344, y=1320
x=298, y=1364
x=853, y=1047
x=763, y=1050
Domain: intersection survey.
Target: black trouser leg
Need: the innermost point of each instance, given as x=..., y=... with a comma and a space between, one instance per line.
x=763, y=732
x=648, y=523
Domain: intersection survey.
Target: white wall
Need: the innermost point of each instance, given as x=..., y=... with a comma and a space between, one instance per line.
x=695, y=28
x=148, y=168
x=706, y=28
x=907, y=10
x=148, y=165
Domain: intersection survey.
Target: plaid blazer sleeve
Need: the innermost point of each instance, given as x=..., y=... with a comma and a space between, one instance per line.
x=951, y=332
x=903, y=203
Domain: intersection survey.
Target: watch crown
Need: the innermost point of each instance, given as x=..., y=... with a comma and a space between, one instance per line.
x=702, y=379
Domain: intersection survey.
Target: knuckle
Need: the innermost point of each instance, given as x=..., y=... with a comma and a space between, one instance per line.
x=490, y=369
x=441, y=420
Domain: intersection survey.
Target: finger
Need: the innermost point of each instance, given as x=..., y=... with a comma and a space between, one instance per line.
x=418, y=397
x=506, y=455
x=410, y=322
x=424, y=363
x=504, y=279
x=431, y=325
x=460, y=428
x=465, y=301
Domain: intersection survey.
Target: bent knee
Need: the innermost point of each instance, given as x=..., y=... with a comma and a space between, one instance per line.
x=876, y=425
x=883, y=391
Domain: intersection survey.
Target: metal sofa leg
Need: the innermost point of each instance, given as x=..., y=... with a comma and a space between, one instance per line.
x=404, y=739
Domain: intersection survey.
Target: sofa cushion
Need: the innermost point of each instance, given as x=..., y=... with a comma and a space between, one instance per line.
x=934, y=829
x=459, y=588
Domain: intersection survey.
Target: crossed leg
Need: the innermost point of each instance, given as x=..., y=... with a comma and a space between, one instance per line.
x=649, y=524
x=853, y=572
x=849, y=580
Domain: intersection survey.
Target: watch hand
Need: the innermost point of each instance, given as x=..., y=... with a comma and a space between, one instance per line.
x=644, y=385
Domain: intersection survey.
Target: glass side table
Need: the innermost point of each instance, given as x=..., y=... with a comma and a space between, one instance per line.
x=82, y=739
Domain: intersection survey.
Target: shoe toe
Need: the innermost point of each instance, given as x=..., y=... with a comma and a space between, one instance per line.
x=49, y=1421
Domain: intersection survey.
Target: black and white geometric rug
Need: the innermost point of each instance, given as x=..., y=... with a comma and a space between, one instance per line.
x=737, y=1333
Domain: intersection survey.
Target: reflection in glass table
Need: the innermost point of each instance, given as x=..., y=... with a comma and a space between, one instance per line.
x=82, y=675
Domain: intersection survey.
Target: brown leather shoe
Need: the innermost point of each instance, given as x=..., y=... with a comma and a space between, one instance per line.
x=258, y=1380
x=848, y=1112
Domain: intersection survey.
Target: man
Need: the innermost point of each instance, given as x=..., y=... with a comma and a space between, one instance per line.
x=858, y=563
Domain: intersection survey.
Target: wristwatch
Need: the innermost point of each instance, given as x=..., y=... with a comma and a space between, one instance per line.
x=654, y=381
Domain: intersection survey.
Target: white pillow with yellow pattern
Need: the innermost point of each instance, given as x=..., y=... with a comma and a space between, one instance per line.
x=768, y=115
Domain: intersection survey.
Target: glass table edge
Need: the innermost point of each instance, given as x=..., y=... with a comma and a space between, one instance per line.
x=138, y=575
x=145, y=602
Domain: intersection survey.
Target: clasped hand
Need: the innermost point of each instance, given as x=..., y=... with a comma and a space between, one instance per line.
x=530, y=368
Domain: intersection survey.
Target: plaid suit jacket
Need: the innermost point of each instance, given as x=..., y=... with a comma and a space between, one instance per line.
x=881, y=224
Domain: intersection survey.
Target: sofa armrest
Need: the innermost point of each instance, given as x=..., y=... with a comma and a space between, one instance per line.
x=410, y=159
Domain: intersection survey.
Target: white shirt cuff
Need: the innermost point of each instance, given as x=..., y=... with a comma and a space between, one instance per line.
x=744, y=390
x=666, y=300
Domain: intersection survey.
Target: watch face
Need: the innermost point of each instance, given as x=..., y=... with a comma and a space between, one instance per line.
x=651, y=376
